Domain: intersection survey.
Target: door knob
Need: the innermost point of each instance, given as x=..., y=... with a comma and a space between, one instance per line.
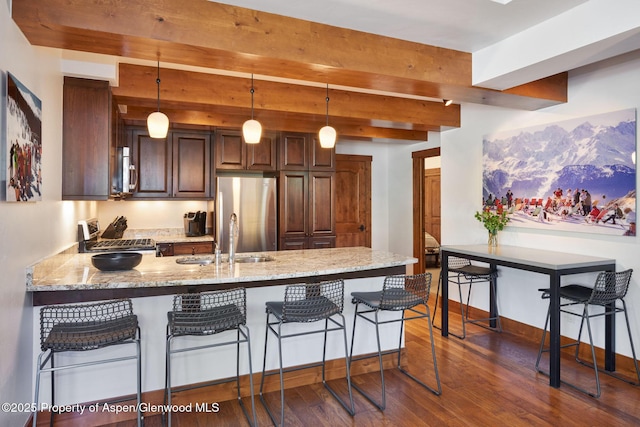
x=361, y=228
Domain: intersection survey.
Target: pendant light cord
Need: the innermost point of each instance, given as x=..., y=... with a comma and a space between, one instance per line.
x=158, y=83
x=327, y=99
x=252, y=96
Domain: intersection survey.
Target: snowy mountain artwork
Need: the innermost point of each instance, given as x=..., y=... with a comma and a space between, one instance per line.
x=575, y=175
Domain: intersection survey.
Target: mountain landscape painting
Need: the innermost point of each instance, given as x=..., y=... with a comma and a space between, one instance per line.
x=576, y=175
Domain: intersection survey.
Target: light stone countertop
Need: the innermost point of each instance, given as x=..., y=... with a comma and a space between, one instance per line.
x=70, y=270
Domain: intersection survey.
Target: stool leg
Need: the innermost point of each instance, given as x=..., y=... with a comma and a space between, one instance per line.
x=53, y=389
x=167, y=380
x=36, y=399
x=139, y=378
x=253, y=403
x=281, y=374
x=544, y=337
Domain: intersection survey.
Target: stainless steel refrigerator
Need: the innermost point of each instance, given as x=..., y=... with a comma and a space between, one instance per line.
x=254, y=200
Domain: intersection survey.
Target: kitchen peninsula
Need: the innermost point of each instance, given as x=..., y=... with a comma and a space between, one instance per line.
x=70, y=277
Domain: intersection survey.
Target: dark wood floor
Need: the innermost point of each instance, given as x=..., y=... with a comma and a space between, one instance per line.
x=487, y=379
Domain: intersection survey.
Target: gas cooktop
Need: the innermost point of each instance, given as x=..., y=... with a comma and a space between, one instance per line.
x=88, y=231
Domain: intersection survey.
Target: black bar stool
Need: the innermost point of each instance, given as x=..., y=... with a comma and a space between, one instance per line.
x=84, y=327
x=205, y=314
x=463, y=272
x=608, y=289
x=306, y=303
x=399, y=293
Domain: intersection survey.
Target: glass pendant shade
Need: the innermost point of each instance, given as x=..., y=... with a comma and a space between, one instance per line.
x=157, y=125
x=158, y=122
x=327, y=137
x=252, y=131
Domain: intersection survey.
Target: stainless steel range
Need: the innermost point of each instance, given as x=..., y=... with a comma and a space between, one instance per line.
x=88, y=238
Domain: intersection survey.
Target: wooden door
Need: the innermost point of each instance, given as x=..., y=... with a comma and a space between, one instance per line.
x=432, y=202
x=353, y=200
x=294, y=204
x=322, y=199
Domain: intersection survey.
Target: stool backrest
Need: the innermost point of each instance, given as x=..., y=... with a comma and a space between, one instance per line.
x=86, y=326
x=404, y=291
x=455, y=262
x=208, y=312
x=610, y=286
x=313, y=301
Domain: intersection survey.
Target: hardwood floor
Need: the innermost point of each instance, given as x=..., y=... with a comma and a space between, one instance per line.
x=488, y=379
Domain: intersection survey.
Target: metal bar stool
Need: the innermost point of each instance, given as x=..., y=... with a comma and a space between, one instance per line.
x=205, y=314
x=84, y=327
x=306, y=303
x=399, y=293
x=462, y=272
x=609, y=288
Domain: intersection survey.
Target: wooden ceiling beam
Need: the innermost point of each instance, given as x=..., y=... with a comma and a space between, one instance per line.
x=200, y=91
x=219, y=36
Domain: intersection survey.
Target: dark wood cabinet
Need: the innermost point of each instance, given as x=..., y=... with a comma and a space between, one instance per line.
x=232, y=153
x=192, y=174
x=176, y=166
x=184, y=248
x=88, y=141
x=302, y=151
x=307, y=209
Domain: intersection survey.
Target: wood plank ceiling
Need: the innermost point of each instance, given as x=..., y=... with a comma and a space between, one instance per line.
x=384, y=88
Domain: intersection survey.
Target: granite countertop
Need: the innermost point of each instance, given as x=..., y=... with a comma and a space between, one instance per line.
x=70, y=270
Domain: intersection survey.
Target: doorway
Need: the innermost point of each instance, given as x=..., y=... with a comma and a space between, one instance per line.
x=426, y=204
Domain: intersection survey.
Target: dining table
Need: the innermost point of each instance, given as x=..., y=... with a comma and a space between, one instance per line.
x=553, y=264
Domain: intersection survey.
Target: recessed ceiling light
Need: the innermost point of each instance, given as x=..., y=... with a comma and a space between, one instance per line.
x=502, y=1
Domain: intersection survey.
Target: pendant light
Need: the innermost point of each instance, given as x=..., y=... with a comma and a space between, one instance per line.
x=327, y=134
x=252, y=129
x=158, y=122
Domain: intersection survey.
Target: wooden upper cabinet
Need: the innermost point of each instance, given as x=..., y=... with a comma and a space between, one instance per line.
x=86, y=139
x=321, y=158
x=262, y=156
x=302, y=151
x=191, y=164
x=232, y=153
x=176, y=166
x=152, y=158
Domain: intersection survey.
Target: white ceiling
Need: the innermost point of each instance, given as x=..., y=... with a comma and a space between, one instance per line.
x=466, y=25
x=512, y=44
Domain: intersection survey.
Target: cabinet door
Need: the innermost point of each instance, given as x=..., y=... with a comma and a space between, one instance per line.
x=293, y=243
x=152, y=158
x=191, y=164
x=186, y=248
x=294, y=151
x=321, y=158
x=322, y=220
x=262, y=156
x=86, y=139
x=294, y=204
x=230, y=149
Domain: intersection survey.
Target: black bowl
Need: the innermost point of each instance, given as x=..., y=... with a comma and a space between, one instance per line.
x=114, y=261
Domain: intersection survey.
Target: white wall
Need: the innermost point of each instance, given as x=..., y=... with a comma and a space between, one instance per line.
x=596, y=89
x=29, y=231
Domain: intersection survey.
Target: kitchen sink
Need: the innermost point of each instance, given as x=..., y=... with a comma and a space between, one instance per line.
x=194, y=260
x=249, y=259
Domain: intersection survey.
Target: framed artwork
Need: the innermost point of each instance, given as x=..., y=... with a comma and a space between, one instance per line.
x=577, y=175
x=23, y=164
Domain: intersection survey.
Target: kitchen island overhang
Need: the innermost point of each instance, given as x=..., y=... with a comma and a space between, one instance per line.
x=69, y=277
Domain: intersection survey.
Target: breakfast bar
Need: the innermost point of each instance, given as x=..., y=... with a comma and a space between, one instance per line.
x=553, y=264
x=70, y=277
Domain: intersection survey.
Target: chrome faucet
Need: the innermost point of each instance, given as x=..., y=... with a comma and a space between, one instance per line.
x=233, y=237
